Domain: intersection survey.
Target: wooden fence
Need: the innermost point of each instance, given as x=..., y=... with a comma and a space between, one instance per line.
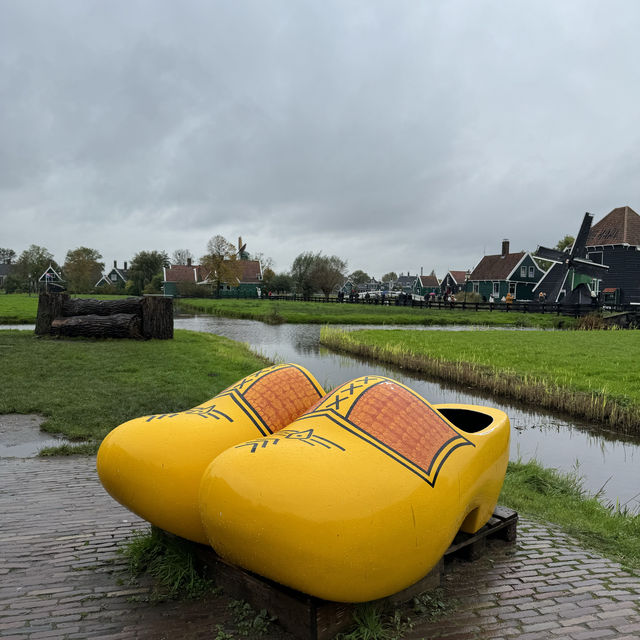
x=574, y=310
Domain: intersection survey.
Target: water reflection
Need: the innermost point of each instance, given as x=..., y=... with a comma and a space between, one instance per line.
x=603, y=459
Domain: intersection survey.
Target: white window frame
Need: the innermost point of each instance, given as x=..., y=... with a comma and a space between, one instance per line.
x=523, y=271
x=496, y=289
x=532, y=271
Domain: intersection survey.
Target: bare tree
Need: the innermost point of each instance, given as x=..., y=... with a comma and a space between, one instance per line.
x=181, y=256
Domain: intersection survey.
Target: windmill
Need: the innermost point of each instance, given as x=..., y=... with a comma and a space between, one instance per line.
x=561, y=277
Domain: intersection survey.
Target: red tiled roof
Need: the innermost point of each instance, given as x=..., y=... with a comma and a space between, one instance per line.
x=251, y=272
x=620, y=226
x=458, y=276
x=183, y=273
x=496, y=267
x=429, y=281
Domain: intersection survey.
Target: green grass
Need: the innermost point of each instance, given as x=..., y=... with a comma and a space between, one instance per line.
x=22, y=308
x=333, y=313
x=593, y=374
x=85, y=388
x=559, y=498
x=171, y=561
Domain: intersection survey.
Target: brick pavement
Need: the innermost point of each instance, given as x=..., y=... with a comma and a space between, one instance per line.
x=61, y=575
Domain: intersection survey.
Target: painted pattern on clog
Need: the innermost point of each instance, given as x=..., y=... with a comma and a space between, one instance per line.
x=387, y=415
x=153, y=464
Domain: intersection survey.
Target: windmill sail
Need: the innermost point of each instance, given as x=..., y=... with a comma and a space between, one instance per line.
x=556, y=280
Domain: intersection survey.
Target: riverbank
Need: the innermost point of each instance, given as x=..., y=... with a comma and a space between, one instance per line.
x=297, y=312
x=586, y=374
x=86, y=388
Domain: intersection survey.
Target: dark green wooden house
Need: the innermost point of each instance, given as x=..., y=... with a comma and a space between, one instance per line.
x=498, y=275
x=425, y=285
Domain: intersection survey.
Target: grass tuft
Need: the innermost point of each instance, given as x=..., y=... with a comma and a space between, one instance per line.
x=171, y=561
x=611, y=529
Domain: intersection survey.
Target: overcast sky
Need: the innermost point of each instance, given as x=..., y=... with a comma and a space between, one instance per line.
x=396, y=135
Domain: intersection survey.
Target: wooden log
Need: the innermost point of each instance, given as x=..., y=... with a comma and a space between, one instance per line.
x=157, y=317
x=85, y=307
x=119, y=325
x=49, y=308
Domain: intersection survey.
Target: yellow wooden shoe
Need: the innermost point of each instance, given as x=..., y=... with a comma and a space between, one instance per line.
x=153, y=465
x=360, y=497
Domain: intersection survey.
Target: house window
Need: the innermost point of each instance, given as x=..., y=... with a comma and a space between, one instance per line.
x=476, y=287
x=532, y=272
x=496, y=289
x=512, y=289
x=595, y=256
x=113, y=277
x=523, y=272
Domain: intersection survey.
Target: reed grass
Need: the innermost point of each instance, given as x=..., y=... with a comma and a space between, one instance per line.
x=560, y=498
x=592, y=375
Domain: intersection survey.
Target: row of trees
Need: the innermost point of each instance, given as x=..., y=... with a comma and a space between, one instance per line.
x=83, y=268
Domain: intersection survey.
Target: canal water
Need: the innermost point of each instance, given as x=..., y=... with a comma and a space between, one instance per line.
x=606, y=463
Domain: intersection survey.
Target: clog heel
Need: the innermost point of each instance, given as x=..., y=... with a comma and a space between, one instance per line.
x=153, y=465
x=361, y=496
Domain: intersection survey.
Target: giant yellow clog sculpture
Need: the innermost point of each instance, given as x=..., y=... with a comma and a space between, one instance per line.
x=153, y=465
x=360, y=497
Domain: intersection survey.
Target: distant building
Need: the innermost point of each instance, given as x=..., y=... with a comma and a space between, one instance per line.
x=176, y=278
x=404, y=283
x=51, y=280
x=425, y=285
x=497, y=275
x=454, y=282
x=615, y=241
x=115, y=278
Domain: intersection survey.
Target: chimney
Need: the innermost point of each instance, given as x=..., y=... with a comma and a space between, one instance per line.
x=188, y=262
x=125, y=266
x=505, y=247
x=115, y=264
x=420, y=271
x=239, y=243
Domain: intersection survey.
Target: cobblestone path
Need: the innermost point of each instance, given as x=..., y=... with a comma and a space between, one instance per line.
x=61, y=575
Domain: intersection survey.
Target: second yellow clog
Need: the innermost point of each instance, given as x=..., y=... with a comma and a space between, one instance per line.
x=153, y=465
x=360, y=497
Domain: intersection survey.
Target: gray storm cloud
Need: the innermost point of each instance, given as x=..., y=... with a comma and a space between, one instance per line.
x=395, y=134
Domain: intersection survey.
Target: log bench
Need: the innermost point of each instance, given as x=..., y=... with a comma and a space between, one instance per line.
x=135, y=318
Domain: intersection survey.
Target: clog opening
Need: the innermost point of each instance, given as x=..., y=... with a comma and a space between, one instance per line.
x=467, y=420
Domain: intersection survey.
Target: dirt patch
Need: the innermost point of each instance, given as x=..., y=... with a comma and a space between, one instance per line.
x=20, y=436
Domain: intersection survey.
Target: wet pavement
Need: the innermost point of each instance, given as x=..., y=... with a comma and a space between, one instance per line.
x=61, y=575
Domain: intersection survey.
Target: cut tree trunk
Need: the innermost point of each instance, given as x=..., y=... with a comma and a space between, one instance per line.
x=85, y=307
x=49, y=308
x=157, y=317
x=118, y=325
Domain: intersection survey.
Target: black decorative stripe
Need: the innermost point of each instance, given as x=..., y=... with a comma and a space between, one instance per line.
x=262, y=425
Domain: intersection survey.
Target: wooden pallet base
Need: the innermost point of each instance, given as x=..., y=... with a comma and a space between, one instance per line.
x=310, y=618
